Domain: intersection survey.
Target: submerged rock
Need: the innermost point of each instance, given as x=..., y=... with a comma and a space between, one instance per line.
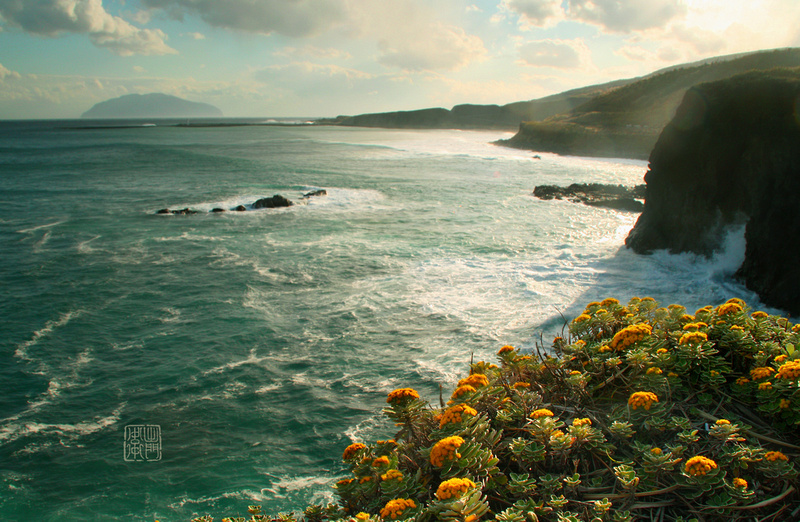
x=731, y=155
x=184, y=211
x=617, y=197
x=320, y=192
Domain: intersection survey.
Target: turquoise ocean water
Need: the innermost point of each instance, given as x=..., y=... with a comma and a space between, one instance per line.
x=262, y=343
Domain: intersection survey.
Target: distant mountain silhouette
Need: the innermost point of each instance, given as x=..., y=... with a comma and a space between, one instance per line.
x=155, y=105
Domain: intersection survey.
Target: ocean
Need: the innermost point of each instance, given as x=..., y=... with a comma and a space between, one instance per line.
x=161, y=367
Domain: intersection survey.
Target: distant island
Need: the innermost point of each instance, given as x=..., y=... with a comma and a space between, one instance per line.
x=618, y=119
x=154, y=105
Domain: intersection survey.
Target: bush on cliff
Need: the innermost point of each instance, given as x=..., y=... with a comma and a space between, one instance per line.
x=641, y=412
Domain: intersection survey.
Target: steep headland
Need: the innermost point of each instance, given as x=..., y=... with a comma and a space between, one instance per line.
x=731, y=155
x=154, y=105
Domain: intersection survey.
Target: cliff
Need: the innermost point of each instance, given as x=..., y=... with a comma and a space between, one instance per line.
x=154, y=105
x=731, y=155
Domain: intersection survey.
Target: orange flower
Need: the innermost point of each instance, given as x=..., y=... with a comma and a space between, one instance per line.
x=445, y=449
x=455, y=414
x=402, y=394
x=762, y=372
x=454, y=487
x=394, y=509
x=505, y=349
x=699, y=466
x=351, y=450
x=541, y=412
x=789, y=370
x=476, y=380
x=642, y=400
x=772, y=456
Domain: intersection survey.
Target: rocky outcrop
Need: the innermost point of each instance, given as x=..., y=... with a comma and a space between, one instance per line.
x=731, y=155
x=275, y=201
x=617, y=197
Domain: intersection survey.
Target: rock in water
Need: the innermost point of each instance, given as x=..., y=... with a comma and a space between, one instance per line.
x=274, y=202
x=731, y=155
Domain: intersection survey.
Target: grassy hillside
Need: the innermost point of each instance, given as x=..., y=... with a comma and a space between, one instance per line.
x=627, y=120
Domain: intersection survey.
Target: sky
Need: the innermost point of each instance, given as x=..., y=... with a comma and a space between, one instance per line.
x=323, y=58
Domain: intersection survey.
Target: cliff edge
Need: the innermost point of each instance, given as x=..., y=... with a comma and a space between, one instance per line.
x=731, y=155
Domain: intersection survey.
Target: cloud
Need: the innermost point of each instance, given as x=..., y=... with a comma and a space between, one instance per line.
x=196, y=36
x=329, y=53
x=559, y=54
x=625, y=16
x=54, y=17
x=443, y=47
x=289, y=18
x=5, y=73
x=535, y=12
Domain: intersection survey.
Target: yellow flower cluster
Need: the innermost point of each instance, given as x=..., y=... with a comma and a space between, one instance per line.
x=541, y=412
x=609, y=301
x=455, y=414
x=476, y=380
x=759, y=315
x=722, y=422
x=581, y=318
x=402, y=394
x=445, y=449
x=605, y=348
x=454, y=487
x=739, y=483
x=699, y=466
x=782, y=357
x=741, y=381
x=729, y=308
x=656, y=451
x=629, y=335
x=461, y=390
x=693, y=338
x=654, y=371
x=582, y=422
x=351, y=450
x=392, y=474
x=642, y=400
x=762, y=372
x=764, y=385
x=789, y=370
x=505, y=349
x=394, y=509
x=380, y=461
x=518, y=385
x=772, y=456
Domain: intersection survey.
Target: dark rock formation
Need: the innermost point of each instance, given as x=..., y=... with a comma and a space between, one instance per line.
x=313, y=193
x=731, y=155
x=217, y=210
x=274, y=202
x=184, y=211
x=240, y=208
x=596, y=195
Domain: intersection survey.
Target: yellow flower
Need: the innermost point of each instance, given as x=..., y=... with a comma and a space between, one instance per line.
x=722, y=421
x=737, y=328
x=759, y=315
x=392, y=474
x=445, y=449
x=796, y=328
x=574, y=373
x=772, y=456
x=642, y=400
x=740, y=483
x=581, y=318
x=476, y=380
x=661, y=351
x=461, y=390
x=764, y=385
x=402, y=394
x=556, y=434
x=394, y=509
x=351, y=450
x=541, y=412
x=687, y=317
x=380, y=461
x=505, y=349
x=648, y=299
x=601, y=311
x=654, y=371
x=741, y=381
x=605, y=348
x=785, y=403
x=693, y=338
x=582, y=422
x=672, y=374
x=729, y=308
x=656, y=451
x=629, y=335
x=455, y=414
x=345, y=482
x=699, y=466
x=454, y=487
x=364, y=479
x=762, y=372
x=518, y=385
x=782, y=357
x=609, y=301
x=789, y=370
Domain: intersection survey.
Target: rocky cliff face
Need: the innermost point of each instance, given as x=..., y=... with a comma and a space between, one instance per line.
x=731, y=155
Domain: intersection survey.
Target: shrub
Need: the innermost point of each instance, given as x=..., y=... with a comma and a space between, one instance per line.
x=643, y=412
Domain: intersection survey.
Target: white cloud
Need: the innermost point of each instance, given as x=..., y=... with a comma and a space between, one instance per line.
x=535, y=12
x=329, y=53
x=53, y=17
x=196, y=36
x=626, y=16
x=290, y=18
x=5, y=73
x=559, y=54
x=443, y=47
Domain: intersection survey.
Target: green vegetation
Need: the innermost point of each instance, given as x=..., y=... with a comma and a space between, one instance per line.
x=642, y=412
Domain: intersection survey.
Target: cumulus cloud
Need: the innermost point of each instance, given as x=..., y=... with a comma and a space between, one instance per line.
x=560, y=54
x=443, y=47
x=291, y=18
x=54, y=17
x=535, y=12
x=5, y=73
x=625, y=16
